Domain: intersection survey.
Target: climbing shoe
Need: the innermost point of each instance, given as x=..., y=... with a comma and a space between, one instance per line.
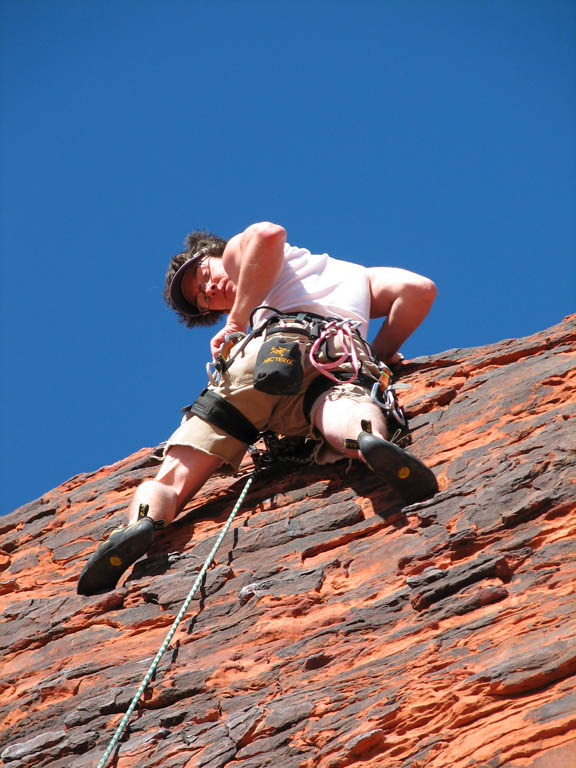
x=122, y=548
x=411, y=477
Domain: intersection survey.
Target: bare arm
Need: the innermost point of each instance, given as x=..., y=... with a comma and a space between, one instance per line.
x=253, y=259
x=405, y=299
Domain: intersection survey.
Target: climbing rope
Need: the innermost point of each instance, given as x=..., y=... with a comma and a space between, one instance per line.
x=342, y=330
x=174, y=627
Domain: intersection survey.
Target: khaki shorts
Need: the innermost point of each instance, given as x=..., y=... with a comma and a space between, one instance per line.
x=283, y=414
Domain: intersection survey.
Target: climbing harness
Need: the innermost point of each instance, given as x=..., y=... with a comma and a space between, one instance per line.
x=174, y=627
x=278, y=368
x=282, y=450
x=215, y=409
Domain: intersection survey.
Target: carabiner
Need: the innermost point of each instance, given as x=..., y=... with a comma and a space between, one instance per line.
x=221, y=363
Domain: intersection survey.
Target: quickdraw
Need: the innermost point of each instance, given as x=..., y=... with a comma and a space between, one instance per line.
x=222, y=362
x=283, y=450
x=383, y=393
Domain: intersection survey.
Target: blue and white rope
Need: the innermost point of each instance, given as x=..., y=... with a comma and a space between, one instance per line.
x=174, y=627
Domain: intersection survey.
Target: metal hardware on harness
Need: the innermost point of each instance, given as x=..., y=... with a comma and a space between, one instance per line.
x=222, y=362
x=387, y=401
x=385, y=378
x=229, y=341
x=174, y=627
x=285, y=450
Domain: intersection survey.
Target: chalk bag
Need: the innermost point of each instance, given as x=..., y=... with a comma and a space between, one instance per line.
x=278, y=369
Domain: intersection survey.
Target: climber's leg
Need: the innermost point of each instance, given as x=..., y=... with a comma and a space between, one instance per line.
x=183, y=472
x=341, y=418
x=155, y=503
x=358, y=430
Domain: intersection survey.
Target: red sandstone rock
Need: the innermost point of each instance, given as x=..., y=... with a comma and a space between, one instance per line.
x=333, y=629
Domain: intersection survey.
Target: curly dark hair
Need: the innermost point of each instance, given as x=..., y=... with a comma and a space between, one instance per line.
x=198, y=240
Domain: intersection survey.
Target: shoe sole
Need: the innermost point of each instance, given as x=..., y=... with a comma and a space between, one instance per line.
x=411, y=477
x=114, y=556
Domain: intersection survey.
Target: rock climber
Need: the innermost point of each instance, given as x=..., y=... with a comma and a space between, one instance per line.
x=305, y=369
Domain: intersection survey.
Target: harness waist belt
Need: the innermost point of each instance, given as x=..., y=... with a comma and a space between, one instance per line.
x=310, y=324
x=216, y=410
x=300, y=316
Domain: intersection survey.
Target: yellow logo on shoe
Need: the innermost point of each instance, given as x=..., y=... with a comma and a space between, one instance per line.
x=115, y=561
x=403, y=472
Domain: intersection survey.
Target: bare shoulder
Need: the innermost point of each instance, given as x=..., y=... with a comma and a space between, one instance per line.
x=233, y=254
x=261, y=230
x=233, y=245
x=258, y=236
x=264, y=229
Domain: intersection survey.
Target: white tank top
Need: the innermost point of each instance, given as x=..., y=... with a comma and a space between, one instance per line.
x=318, y=283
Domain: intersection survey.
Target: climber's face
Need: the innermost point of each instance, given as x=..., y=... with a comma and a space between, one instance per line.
x=209, y=287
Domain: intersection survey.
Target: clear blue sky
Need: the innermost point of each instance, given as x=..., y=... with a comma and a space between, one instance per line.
x=436, y=135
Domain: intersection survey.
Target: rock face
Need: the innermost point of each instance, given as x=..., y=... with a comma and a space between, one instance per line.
x=334, y=628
